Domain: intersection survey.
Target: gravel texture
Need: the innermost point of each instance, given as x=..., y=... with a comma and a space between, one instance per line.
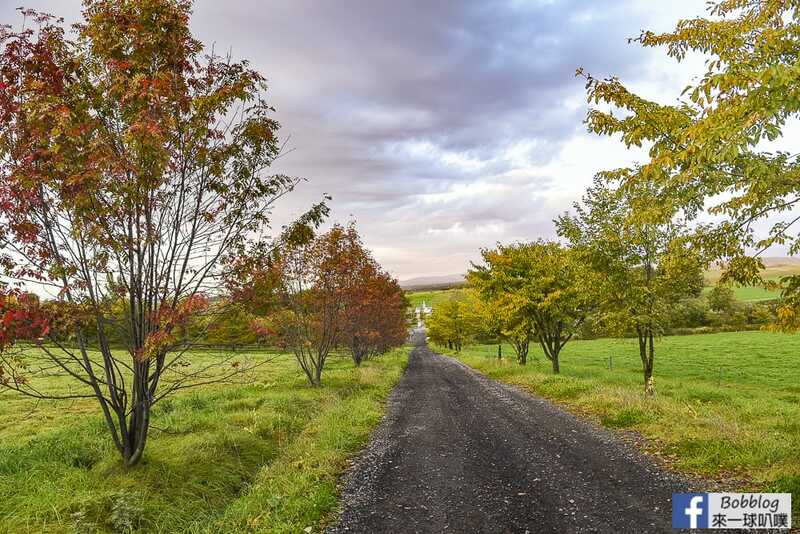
x=458, y=452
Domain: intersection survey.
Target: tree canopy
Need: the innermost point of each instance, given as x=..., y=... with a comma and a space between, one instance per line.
x=642, y=268
x=541, y=285
x=715, y=151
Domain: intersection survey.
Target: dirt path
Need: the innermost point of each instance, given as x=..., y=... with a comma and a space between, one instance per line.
x=458, y=452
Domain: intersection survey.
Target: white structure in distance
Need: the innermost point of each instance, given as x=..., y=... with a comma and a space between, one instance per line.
x=422, y=311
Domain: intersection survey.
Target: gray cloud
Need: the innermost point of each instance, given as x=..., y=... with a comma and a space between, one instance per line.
x=441, y=126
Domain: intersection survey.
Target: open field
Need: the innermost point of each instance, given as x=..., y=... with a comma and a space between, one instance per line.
x=727, y=405
x=261, y=456
x=744, y=294
x=775, y=269
x=751, y=294
x=432, y=297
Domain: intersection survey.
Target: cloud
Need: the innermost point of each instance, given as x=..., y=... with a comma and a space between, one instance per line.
x=440, y=126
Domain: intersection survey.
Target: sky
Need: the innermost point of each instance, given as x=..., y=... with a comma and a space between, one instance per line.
x=443, y=126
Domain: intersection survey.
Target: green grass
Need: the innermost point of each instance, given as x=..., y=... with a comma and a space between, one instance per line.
x=432, y=297
x=775, y=269
x=260, y=456
x=745, y=294
x=727, y=405
x=751, y=293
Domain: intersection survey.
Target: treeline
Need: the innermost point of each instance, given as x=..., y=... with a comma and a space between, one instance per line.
x=319, y=294
x=714, y=187
x=324, y=293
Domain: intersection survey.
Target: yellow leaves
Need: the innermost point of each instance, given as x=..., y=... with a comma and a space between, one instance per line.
x=787, y=320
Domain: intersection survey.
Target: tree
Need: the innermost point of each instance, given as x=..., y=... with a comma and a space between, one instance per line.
x=21, y=319
x=643, y=269
x=541, y=285
x=325, y=293
x=134, y=170
x=718, y=149
x=451, y=323
x=311, y=283
x=230, y=325
x=502, y=319
x=721, y=298
x=374, y=313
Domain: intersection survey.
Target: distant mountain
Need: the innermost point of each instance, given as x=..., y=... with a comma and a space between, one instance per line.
x=433, y=282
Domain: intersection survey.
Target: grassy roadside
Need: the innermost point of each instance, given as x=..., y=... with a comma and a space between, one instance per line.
x=263, y=456
x=727, y=405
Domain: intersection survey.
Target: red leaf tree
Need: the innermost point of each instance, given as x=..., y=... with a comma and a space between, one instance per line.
x=134, y=170
x=374, y=317
x=325, y=293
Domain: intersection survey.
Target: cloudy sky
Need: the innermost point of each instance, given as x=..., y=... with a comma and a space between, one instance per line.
x=440, y=126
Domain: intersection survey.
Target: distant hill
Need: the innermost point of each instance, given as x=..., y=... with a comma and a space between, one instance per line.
x=774, y=267
x=433, y=282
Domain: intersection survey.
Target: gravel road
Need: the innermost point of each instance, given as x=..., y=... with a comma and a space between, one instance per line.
x=458, y=452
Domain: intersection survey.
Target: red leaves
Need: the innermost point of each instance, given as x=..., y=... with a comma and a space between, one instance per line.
x=22, y=318
x=324, y=292
x=262, y=329
x=167, y=320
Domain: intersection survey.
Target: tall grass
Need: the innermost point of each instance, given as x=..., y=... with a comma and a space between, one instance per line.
x=258, y=456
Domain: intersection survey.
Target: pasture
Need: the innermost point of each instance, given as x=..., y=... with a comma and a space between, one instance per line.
x=259, y=455
x=775, y=269
x=432, y=297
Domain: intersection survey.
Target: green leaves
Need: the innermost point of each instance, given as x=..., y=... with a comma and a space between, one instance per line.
x=540, y=288
x=639, y=267
x=711, y=152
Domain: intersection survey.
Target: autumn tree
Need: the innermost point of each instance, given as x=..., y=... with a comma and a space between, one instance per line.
x=374, y=312
x=502, y=318
x=22, y=319
x=325, y=293
x=719, y=149
x=643, y=269
x=542, y=283
x=134, y=168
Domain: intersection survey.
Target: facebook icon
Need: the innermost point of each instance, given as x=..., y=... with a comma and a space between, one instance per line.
x=690, y=510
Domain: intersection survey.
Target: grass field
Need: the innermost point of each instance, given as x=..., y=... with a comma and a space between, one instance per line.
x=727, y=405
x=775, y=269
x=431, y=297
x=751, y=294
x=262, y=456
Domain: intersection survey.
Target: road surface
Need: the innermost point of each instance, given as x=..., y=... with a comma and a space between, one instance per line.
x=458, y=452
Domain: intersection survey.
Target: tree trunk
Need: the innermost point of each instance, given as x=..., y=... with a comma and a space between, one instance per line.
x=358, y=355
x=136, y=436
x=499, y=351
x=551, y=346
x=647, y=354
x=318, y=373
